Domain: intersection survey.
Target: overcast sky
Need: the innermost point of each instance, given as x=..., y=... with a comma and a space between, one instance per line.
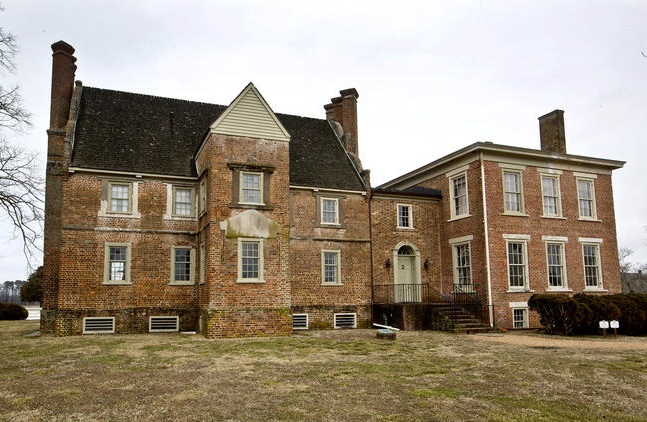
x=432, y=76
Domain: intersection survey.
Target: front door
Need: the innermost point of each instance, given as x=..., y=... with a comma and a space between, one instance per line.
x=407, y=287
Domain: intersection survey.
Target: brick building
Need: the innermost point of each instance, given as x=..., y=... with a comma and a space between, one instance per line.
x=167, y=215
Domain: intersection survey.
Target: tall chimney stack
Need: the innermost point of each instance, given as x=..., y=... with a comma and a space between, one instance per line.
x=551, y=132
x=343, y=110
x=63, y=69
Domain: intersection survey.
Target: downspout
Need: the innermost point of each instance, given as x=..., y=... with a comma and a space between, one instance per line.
x=487, y=243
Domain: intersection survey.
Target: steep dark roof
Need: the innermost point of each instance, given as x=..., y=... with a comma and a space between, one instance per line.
x=128, y=132
x=410, y=191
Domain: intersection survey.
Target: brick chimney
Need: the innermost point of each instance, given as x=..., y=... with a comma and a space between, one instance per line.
x=551, y=132
x=343, y=110
x=63, y=69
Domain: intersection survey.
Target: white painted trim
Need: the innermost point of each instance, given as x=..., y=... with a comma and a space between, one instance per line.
x=456, y=171
x=550, y=171
x=589, y=240
x=131, y=174
x=513, y=167
x=191, y=280
x=261, y=253
x=585, y=175
x=323, y=268
x=462, y=239
x=562, y=239
x=518, y=304
x=522, y=237
x=106, y=263
x=397, y=216
x=487, y=243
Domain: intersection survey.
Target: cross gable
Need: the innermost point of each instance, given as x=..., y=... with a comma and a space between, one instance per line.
x=250, y=116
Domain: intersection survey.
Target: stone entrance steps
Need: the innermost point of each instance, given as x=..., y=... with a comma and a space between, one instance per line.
x=461, y=321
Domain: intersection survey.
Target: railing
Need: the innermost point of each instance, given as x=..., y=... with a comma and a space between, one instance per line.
x=468, y=297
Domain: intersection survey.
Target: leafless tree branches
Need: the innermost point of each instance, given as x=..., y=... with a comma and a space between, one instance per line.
x=21, y=187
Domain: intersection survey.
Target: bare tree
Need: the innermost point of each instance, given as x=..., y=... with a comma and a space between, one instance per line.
x=21, y=187
x=623, y=259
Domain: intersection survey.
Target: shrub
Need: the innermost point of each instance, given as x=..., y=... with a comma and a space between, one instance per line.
x=581, y=314
x=12, y=312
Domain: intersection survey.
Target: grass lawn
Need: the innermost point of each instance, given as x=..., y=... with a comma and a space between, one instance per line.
x=319, y=375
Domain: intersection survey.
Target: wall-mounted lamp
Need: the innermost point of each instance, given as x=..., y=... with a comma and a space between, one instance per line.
x=426, y=264
x=387, y=264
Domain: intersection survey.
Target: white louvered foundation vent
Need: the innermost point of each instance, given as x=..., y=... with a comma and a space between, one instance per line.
x=300, y=321
x=99, y=325
x=164, y=324
x=345, y=320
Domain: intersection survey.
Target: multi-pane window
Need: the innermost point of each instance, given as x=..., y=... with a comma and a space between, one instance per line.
x=405, y=218
x=203, y=262
x=117, y=263
x=203, y=195
x=120, y=197
x=517, y=276
x=550, y=196
x=512, y=192
x=592, y=273
x=458, y=191
x=586, y=198
x=463, y=265
x=251, y=188
x=555, y=261
x=330, y=267
x=520, y=317
x=250, y=260
x=329, y=211
x=182, y=271
x=183, y=201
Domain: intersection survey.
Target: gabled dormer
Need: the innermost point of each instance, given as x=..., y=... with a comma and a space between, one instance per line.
x=249, y=115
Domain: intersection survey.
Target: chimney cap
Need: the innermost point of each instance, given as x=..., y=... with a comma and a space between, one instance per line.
x=349, y=92
x=62, y=46
x=551, y=114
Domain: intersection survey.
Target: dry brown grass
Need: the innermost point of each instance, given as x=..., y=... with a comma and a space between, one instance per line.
x=320, y=375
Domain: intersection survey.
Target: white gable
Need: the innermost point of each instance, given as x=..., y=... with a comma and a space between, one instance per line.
x=249, y=115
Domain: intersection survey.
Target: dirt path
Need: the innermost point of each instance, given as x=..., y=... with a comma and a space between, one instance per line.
x=536, y=340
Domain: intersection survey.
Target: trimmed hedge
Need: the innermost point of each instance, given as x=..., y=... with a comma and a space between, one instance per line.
x=12, y=312
x=582, y=313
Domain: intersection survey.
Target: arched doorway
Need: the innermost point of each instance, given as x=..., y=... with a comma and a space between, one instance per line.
x=406, y=274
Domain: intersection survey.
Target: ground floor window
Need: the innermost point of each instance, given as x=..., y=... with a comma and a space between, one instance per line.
x=520, y=317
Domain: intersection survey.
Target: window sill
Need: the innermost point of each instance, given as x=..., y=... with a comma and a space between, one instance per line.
x=181, y=283
x=117, y=283
x=459, y=217
x=520, y=290
x=558, y=290
x=595, y=290
x=515, y=214
x=406, y=228
x=180, y=217
x=245, y=281
x=593, y=220
x=119, y=215
x=332, y=284
x=252, y=206
x=554, y=217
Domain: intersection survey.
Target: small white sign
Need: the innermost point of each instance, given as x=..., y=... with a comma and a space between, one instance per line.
x=615, y=324
x=604, y=324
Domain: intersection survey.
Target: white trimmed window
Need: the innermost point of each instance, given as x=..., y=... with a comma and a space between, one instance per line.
x=203, y=263
x=551, y=196
x=462, y=263
x=517, y=265
x=592, y=267
x=182, y=265
x=520, y=318
x=329, y=210
x=116, y=268
x=183, y=204
x=251, y=187
x=556, y=265
x=330, y=267
x=458, y=195
x=513, y=192
x=203, y=195
x=405, y=216
x=586, y=198
x=250, y=260
x=119, y=197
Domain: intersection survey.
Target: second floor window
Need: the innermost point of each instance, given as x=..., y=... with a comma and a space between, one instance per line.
x=555, y=260
x=405, y=218
x=586, y=198
x=550, y=196
x=517, y=277
x=329, y=211
x=512, y=192
x=458, y=191
x=251, y=188
x=183, y=202
x=120, y=197
x=592, y=277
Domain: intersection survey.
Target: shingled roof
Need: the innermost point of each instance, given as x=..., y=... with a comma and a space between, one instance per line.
x=120, y=131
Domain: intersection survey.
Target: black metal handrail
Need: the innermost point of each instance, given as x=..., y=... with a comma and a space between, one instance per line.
x=468, y=297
